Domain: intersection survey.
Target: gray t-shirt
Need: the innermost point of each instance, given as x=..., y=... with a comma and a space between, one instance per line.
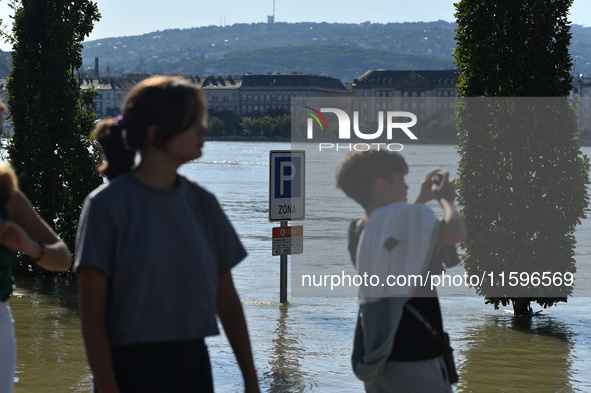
x=163, y=252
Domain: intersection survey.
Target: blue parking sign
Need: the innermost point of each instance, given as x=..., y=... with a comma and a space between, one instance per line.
x=287, y=185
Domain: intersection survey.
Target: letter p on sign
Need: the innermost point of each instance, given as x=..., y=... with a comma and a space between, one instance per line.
x=287, y=173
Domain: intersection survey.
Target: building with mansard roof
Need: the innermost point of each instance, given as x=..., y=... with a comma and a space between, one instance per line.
x=412, y=83
x=222, y=94
x=244, y=95
x=428, y=94
x=111, y=92
x=260, y=93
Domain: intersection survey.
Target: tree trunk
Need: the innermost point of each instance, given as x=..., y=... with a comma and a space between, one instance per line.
x=521, y=307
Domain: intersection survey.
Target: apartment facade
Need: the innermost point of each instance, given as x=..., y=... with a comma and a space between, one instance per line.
x=222, y=93
x=581, y=97
x=410, y=90
x=110, y=92
x=260, y=93
x=245, y=95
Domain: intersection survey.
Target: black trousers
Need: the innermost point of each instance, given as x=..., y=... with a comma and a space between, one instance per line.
x=163, y=367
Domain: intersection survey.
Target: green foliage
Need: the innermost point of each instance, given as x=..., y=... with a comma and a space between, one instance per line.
x=523, y=179
x=52, y=118
x=222, y=123
x=216, y=126
x=278, y=126
x=514, y=48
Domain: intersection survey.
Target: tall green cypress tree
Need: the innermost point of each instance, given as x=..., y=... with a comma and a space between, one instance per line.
x=52, y=117
x=523, y=190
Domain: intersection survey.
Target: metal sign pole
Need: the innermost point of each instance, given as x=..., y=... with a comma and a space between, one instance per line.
x=286, y=202
x=283, y=274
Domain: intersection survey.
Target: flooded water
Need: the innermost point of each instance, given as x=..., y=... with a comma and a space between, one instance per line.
x=305, y=345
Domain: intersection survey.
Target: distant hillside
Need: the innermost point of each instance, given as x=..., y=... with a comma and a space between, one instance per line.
x=342, y=50
x=343, y=62
x=580, y=49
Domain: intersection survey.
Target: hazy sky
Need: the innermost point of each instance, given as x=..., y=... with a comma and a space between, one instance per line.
x=135, y=17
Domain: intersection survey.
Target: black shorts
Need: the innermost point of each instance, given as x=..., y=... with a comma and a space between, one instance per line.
x=163, y=367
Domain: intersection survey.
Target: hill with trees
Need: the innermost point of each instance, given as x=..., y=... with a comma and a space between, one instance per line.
x=342, y=50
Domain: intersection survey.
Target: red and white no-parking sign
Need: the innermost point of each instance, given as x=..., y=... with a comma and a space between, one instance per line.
x=288, y=240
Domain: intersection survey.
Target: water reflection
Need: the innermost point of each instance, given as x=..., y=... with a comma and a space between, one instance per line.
x=50, y=354
x=285, y=373
x=517, y=354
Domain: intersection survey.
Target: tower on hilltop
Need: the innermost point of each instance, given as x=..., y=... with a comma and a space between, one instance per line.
x=271, y=18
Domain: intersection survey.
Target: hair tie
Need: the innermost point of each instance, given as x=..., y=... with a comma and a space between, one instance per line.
x=120, y=124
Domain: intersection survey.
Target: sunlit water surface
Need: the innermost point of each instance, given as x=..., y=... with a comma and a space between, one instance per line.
x=305, y=346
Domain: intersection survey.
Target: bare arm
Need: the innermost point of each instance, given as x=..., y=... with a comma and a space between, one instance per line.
x=231, y=315
x=27, y=230
x=426, y=193
x=93, y=289
x=452, y=229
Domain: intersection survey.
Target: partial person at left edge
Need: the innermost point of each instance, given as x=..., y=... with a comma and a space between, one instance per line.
x=21, y=230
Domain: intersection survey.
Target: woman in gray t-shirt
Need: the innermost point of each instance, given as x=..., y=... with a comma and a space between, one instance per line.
x=154, y=252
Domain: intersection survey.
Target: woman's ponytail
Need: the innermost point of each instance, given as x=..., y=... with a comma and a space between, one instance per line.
x=112, y=136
